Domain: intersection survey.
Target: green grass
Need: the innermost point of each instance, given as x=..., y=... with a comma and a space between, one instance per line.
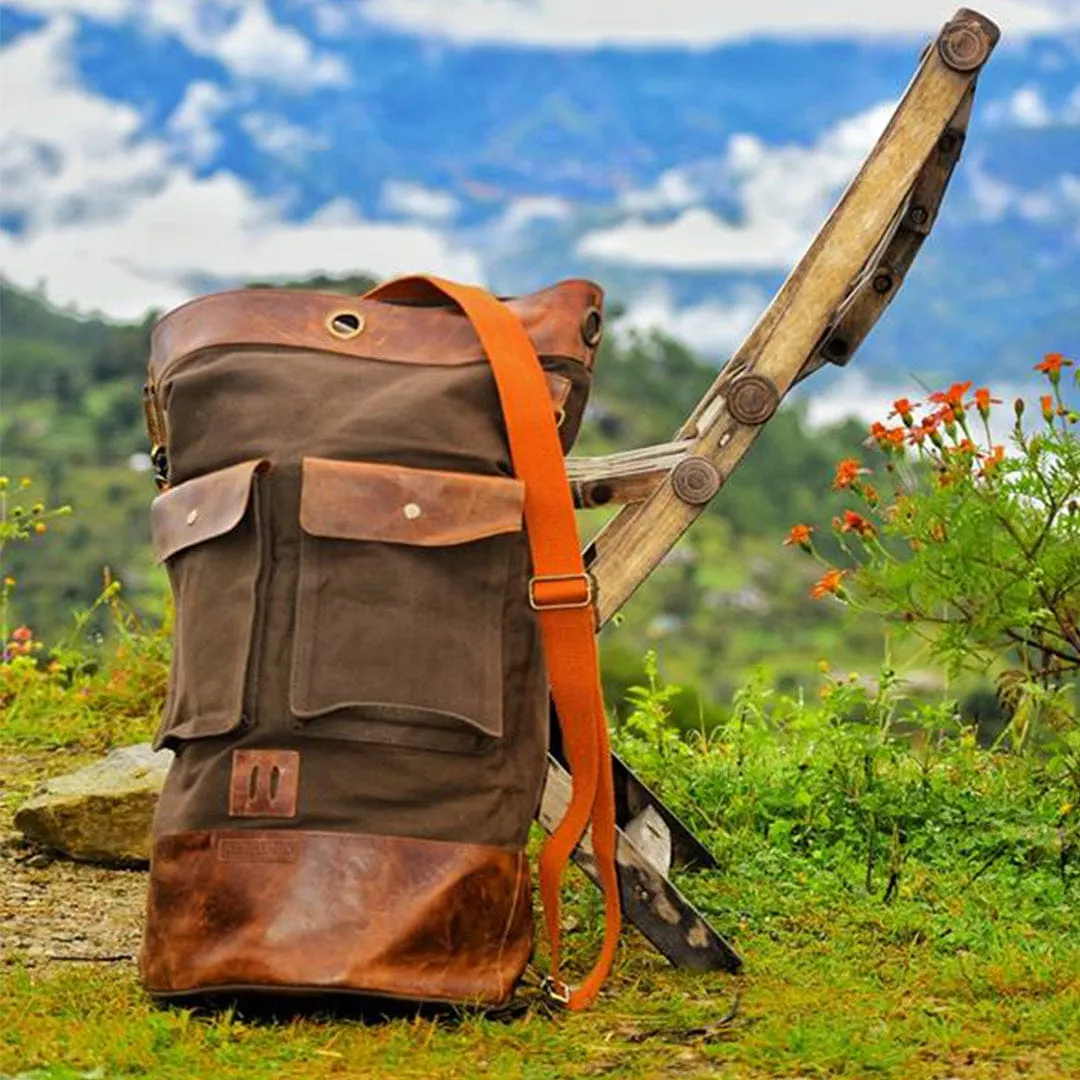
x=905, y=901
x=974, y=983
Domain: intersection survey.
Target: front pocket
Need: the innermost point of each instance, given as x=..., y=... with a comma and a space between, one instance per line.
x=205, y=531
x=403, y=582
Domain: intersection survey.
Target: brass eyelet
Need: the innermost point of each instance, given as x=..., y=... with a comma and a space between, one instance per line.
x=592, y=327
x=345, y=325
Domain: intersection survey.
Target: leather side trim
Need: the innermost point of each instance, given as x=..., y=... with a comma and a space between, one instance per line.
x=200, y=509
x=560, y=387
x=275, y=908
x=389, y=331
x=354, y=500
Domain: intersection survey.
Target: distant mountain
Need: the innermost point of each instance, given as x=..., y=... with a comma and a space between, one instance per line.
x=145, y=161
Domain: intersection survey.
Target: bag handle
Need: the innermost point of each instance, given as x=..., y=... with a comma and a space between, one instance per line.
x=562, y=594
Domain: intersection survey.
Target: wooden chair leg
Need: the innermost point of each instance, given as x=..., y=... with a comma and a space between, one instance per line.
x=649, y=900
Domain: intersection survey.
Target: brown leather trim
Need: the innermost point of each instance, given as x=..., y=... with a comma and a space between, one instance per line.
x=260, y=908
x=264, y=783
x=560, y=387
x=354, y=500
x=394, y=332
x=200, y=509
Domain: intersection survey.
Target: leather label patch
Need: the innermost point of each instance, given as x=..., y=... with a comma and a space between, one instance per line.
x=257, y=850
x=264, y=783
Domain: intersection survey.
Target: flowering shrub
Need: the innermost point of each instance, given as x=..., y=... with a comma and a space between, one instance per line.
x=20, y=523
x=970, y=543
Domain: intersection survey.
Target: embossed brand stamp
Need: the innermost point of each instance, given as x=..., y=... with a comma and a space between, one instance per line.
x=257, y=850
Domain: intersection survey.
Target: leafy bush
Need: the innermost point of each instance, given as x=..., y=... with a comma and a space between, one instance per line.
x=973, y=546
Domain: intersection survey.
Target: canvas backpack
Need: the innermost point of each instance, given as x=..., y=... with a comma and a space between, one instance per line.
x=378, y=592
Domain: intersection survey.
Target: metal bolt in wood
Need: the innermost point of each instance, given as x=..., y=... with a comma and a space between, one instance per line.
x=695, y=480
x=752, y=399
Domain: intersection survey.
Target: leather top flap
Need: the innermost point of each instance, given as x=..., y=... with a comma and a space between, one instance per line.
x=200, y=509
x=353, y=500
x=564, y=320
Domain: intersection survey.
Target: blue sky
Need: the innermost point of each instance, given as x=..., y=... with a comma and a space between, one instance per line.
x=682, y=151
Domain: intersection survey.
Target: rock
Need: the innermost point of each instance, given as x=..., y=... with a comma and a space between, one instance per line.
x=102, y=812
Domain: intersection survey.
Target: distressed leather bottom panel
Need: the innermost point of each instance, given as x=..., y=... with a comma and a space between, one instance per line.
x=417, y=919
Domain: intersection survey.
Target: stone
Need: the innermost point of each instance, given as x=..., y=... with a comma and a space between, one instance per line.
x=101, y=812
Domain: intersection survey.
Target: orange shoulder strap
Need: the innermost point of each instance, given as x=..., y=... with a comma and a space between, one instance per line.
x=561, y=593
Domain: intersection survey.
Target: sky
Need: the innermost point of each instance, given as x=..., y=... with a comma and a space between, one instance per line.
x=115, y=202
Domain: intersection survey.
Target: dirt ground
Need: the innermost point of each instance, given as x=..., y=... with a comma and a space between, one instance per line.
x=53, y=910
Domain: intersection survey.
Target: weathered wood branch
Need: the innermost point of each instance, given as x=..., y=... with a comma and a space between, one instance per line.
x=822, y=312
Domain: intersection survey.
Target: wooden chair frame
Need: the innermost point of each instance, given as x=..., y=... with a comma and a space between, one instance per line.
x=821, y=314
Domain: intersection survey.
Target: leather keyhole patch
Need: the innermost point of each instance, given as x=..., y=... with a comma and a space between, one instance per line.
x=264, y=783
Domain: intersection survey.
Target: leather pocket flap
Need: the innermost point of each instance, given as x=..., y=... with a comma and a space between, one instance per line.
x=353, y=500
x=200, y=509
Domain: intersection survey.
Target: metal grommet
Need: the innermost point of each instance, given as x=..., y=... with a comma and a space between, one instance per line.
x=592, y=327
x=412, y=511
x=345, y=324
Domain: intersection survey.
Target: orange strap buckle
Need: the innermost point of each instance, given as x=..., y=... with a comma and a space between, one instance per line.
x=558, y=601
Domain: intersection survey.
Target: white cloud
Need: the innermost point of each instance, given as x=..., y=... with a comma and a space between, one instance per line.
x=693, y=23
x=673, y=190
x=1071, y=113
x=1026, y=107
x=102, y=10
x=417, y=201
x=783, y=194
x=63, y=151
x=113, y=223
x=190, y=227
x=1054, y=203
x=854, y=395
x=280, y=138
x=526, y=209
x=712, y=329
x=241, y=34
x=192, y=123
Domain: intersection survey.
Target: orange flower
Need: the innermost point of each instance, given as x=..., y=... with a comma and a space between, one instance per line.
x=799, y=537
x=902, y=407
x=22, y=634
x=848, y=472
x=954, y=396
x=888, y=438
x=829, y=585
x=1052, y=363
x=983, y=401
x=1047, y=403
x=856, y=523
x=992, y=461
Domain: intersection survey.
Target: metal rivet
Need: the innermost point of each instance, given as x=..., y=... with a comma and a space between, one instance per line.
x=192, y=517
x=411, y=511
x=345, y=324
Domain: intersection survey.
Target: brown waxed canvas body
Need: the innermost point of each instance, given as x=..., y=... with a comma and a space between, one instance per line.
x=358, y=701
